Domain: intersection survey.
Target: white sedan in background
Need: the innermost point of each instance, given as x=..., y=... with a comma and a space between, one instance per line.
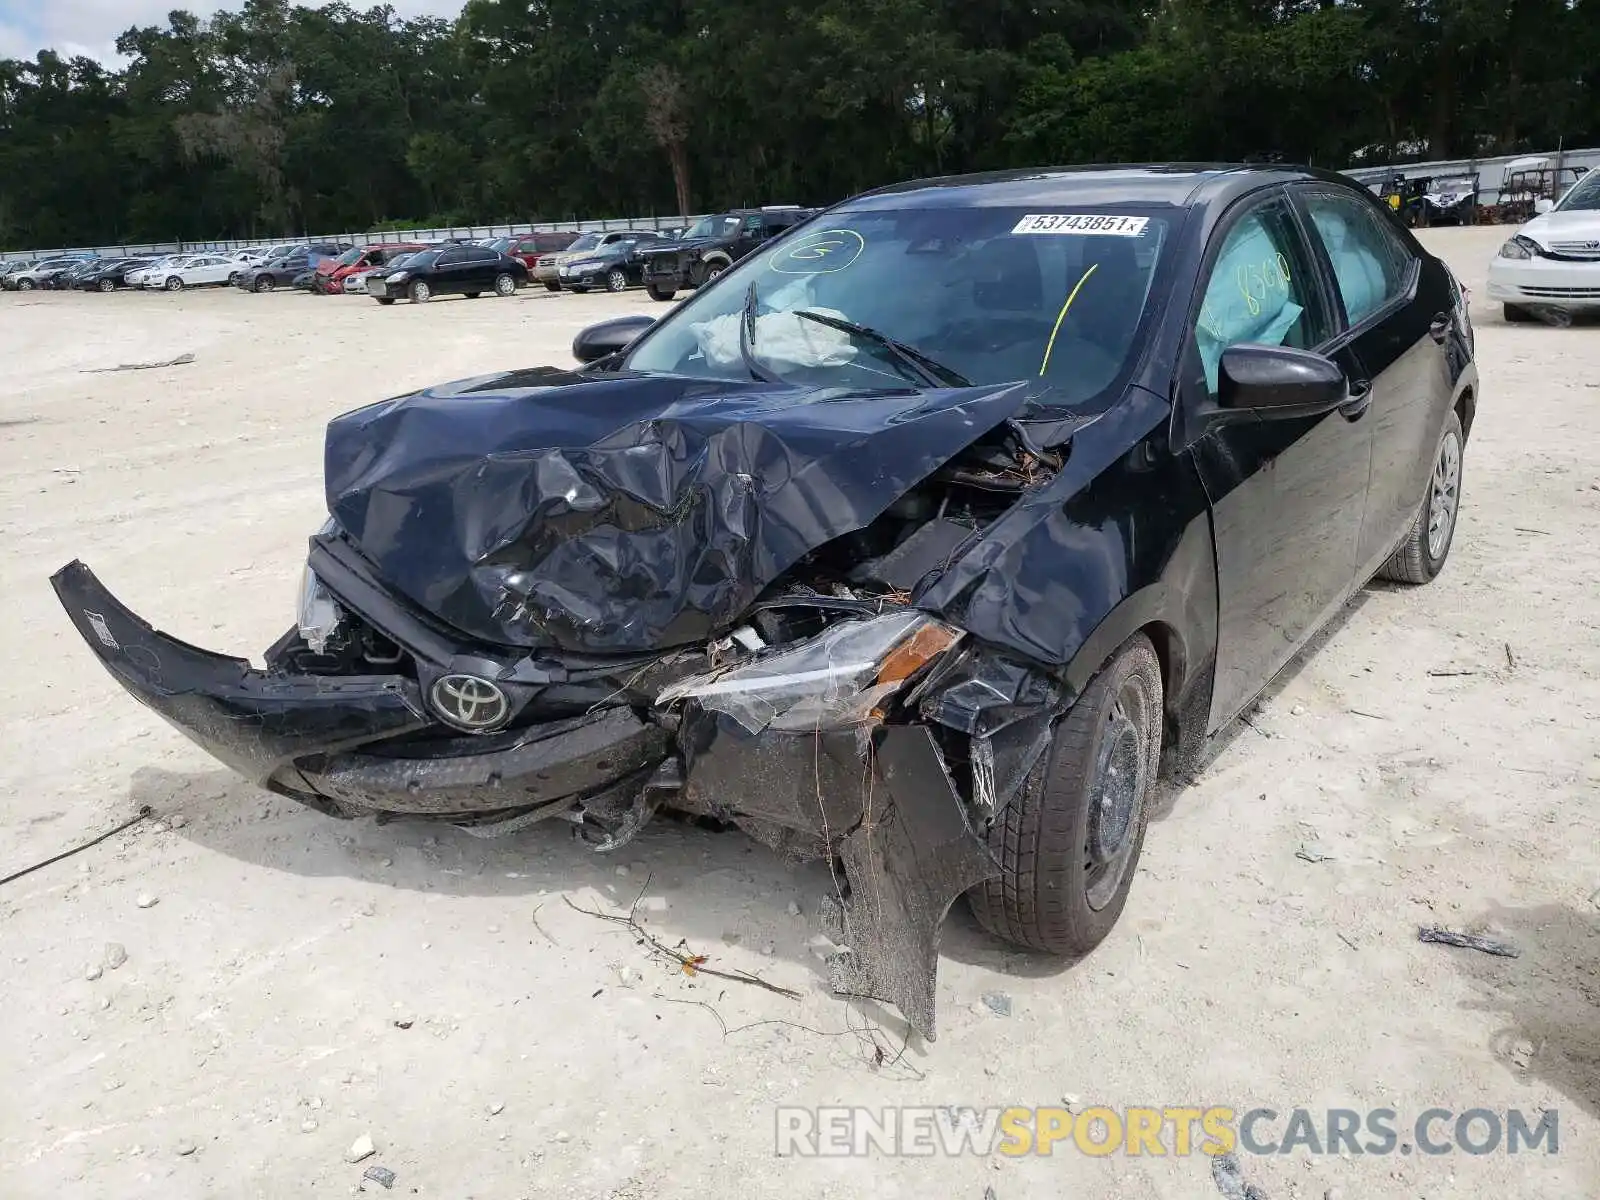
x=1553, y=262
x=199, y=270
x=138, y=278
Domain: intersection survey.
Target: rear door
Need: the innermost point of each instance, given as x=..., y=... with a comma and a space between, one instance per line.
x=450, y=271
x=1287, y=495
x=1398, y=317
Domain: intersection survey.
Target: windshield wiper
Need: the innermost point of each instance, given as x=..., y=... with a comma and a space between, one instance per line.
x=747, y=340
x=929, y=370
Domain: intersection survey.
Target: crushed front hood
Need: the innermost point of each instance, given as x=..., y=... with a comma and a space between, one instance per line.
x=625, y=513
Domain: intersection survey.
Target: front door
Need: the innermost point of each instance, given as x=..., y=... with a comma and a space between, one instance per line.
x=1287, y=495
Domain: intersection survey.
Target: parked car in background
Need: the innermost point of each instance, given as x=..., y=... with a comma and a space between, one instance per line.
x=358, y=283
x=331, y=274
x=713, y=245
x=547, y=268
x=64, y=278
x=111, y=274
x=198, y=270
x=29, y=278
x=136, y=277
x=530, y=247
x=9, y=271
x=1553, y=262
x=283, y=269
x=449, y=270
x=614, y=266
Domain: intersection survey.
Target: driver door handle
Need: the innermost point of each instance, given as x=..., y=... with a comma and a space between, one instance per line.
x=1359, y=401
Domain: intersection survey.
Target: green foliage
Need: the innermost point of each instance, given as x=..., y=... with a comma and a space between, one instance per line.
x=277, y=119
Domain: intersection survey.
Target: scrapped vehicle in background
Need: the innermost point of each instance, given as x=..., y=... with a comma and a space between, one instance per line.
x=331, y=274
x=110, y=274
x=615, y=267
x=199, y=270
x=530, y=247
x=283, y=269
x=1551, y=267
x=713, y=244
x=447, y=270
x=547, y=268
x=922, y=541
x=28, y=279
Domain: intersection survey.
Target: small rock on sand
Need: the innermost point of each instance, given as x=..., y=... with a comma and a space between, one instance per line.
x=361, y=1148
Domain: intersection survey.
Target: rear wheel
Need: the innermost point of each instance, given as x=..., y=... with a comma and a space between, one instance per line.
x=1422, y=554
x=472, y=295
x=1069, y=841
x=385, y=299
x=421, y=293
x=660, y=292
x=1517, y=315
x=504, y=285
x=616, y=280
x=551, y=286
x=577, y=291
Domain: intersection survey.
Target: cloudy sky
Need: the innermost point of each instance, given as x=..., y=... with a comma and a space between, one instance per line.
x=91, y=26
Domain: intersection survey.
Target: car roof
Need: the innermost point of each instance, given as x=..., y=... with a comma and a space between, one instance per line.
x=1176, y=185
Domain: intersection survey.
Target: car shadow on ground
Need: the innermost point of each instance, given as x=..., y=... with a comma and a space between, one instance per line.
x=1549, y=996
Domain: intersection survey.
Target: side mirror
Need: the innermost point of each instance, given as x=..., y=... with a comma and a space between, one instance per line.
x=1279, y=381
x=608, y=337
x=1543, y=205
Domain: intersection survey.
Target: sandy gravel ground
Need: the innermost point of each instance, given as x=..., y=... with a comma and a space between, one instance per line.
x=1439, y=746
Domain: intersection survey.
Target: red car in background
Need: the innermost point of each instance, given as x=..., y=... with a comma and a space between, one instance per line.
x=358, y=260
x=529, y=246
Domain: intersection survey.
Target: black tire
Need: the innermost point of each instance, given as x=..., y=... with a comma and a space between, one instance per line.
x=1068, y=858
x=472, y=295
x=1426, y=547
x=505, y=284
x=616, y=280
x=658, y=292
x=716, y=267
x=1517, y=315
x=551, y=286
x=264, y=283
x=420, y=292
x=107, y=285
x=577, y=291
x=385, y=299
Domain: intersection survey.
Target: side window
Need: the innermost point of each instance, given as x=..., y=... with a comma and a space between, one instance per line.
x=1260, y=290
x=752, y=225
x=451, y=258
x=1370, y=263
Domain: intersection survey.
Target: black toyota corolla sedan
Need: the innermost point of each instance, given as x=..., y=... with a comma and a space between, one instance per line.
x=924, y=540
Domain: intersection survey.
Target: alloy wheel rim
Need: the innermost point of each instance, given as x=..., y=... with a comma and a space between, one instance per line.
x=1444, y=496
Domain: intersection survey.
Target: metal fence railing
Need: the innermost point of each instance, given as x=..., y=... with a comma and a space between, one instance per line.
x=472, y=232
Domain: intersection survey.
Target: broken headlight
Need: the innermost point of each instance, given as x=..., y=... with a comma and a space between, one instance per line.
x=319, y=614
x=832, y=681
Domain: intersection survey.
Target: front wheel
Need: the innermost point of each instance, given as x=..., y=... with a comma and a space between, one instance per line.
x=1068, y=843
x=264, y=283
x=713, y=269
x=24, y=285
x=659, y=292
x=107, y=285
x=1421, y=556
x=421, y=293
x=577, y=291
x=551, y=286
x=505, y=285
x=616, y=280
x=174, y=284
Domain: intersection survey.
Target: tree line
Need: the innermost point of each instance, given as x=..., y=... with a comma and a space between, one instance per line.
x=277, y=120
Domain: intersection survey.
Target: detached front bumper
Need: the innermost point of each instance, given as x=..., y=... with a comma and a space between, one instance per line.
x=878, y=798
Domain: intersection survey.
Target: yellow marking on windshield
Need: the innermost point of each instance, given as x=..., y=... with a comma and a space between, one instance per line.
x=1073, y=295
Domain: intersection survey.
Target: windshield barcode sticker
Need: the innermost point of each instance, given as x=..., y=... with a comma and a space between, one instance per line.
x=1082, y=223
